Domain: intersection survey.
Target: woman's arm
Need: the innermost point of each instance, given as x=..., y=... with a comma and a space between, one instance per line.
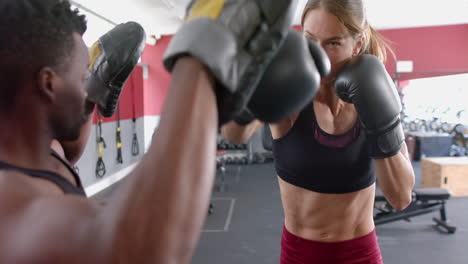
x=396, y=178
x=238, y=134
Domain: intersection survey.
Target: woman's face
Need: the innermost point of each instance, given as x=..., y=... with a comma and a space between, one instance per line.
x=325, y=28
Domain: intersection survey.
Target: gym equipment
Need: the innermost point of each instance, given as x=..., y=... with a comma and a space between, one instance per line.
x=112, y=59
x=432, y=145
x=425, y=200
x=223, y=145
x=211, y=209
x=135, y=144
x=101, y=144
x=118, y=138
x=459, y=146
x=221, y=171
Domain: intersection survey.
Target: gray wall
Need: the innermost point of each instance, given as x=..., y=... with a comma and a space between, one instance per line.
x=87, y=164
x=145, y=127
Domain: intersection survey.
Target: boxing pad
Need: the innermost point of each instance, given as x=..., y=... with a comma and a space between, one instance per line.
x=112, y=59
x=365, y=83
x=236, y=41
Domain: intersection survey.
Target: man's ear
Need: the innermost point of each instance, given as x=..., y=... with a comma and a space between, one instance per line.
x=47, y=83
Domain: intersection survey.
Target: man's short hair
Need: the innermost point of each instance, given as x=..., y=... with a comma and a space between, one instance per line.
x=34, y=34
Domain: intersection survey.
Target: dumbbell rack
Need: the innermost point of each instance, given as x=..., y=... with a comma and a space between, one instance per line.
x=241, y=154
x=228, y=154
x=232, y=154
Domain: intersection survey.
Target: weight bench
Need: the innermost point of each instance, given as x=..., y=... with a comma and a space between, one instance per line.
x=425, y=200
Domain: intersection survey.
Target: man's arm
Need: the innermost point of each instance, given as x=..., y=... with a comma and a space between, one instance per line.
x=175, y=178
x=159, y=209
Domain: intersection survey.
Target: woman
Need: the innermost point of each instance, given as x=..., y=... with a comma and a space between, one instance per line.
x=326, y=177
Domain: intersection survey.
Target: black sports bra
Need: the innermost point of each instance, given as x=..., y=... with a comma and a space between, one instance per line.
x=66, y=186
x=312, y=159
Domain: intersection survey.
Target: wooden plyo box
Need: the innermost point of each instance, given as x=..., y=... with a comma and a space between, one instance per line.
x=446, y=172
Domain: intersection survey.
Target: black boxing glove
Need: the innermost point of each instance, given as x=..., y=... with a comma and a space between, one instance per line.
x=365, y=83
x=291, y=80
x=244, y=118
x=236, y=41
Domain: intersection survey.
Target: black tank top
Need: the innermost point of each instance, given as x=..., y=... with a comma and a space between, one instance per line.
x=66, y=186
x=312, y=159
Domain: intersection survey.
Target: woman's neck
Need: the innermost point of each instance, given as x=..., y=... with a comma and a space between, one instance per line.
x=326, y=95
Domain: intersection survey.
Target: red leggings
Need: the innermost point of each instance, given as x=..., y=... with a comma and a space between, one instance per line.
x=361, y=250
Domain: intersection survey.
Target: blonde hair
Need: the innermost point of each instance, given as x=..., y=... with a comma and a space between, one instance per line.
x=352, y=14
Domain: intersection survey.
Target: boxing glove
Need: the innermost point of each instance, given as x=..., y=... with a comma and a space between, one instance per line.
x=291, y=80
x=236, y=41
x=112, y=59
x=244, y=118
x=365, y=83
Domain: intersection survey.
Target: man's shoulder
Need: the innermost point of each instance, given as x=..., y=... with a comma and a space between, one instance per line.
x=17, y=188
x=15, y=196
x=14, y=184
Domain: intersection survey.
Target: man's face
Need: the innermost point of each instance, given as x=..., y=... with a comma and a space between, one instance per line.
x=69, y=106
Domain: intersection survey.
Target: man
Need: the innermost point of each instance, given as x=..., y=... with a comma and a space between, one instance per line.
x=157, y=214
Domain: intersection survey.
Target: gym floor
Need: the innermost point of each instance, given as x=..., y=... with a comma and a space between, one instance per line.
x=247, y=222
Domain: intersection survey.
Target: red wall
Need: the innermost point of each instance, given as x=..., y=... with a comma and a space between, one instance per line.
x=435, y=51
x=157, y=84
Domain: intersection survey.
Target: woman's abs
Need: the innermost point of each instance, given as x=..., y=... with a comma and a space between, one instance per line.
x=327, y=217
